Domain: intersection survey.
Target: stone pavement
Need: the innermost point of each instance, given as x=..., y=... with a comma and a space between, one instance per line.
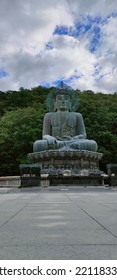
x=58, y=223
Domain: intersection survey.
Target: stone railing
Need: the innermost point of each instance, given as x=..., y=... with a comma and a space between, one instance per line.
x=10, y=182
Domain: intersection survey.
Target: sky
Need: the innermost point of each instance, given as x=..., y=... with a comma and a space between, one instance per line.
x=43, y=42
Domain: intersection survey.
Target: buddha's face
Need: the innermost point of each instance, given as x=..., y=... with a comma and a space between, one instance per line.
x=62, y=102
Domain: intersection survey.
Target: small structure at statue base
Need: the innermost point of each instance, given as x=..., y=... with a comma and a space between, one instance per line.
x=64, y=145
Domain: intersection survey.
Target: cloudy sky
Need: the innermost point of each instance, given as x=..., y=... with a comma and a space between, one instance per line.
x=45, y=41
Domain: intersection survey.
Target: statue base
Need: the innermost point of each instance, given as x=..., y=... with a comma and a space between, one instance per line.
x=60, y=164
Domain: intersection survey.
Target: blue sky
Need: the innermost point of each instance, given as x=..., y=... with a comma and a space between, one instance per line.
x=81, y=28
x=44, y=42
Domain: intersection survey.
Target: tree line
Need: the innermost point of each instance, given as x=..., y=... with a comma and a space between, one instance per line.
x=21, y=121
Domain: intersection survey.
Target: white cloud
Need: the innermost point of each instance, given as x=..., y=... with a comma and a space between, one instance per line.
x=26, y=27
x=92, y=7
x=107, y=56
x=30, y=24
x=29, y=71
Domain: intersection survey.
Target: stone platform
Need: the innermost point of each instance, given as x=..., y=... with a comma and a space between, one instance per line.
x=59, y=224
x=76, y=180
x=80, y=162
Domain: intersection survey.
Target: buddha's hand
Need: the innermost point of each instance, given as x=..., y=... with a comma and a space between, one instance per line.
x=64, y=138
x=51, y=140
x=68, y=138
x=79, y=137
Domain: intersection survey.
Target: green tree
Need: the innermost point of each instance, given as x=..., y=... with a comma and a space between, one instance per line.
x=18, y=130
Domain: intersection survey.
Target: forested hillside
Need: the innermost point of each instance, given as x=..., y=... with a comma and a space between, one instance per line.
x=21, y=119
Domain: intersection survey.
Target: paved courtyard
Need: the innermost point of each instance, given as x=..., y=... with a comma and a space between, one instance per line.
x=58, y=223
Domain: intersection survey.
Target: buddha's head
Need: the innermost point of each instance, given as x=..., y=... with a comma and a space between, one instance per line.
x=62, y=100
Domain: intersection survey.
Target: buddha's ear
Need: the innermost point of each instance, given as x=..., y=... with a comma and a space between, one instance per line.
x=55, y=106
x=70, y=107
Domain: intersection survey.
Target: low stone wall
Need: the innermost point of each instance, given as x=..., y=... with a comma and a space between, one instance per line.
x=10, y=182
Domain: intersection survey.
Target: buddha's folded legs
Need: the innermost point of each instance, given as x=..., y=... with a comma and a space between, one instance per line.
x=42, y=145
x=89, y=145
